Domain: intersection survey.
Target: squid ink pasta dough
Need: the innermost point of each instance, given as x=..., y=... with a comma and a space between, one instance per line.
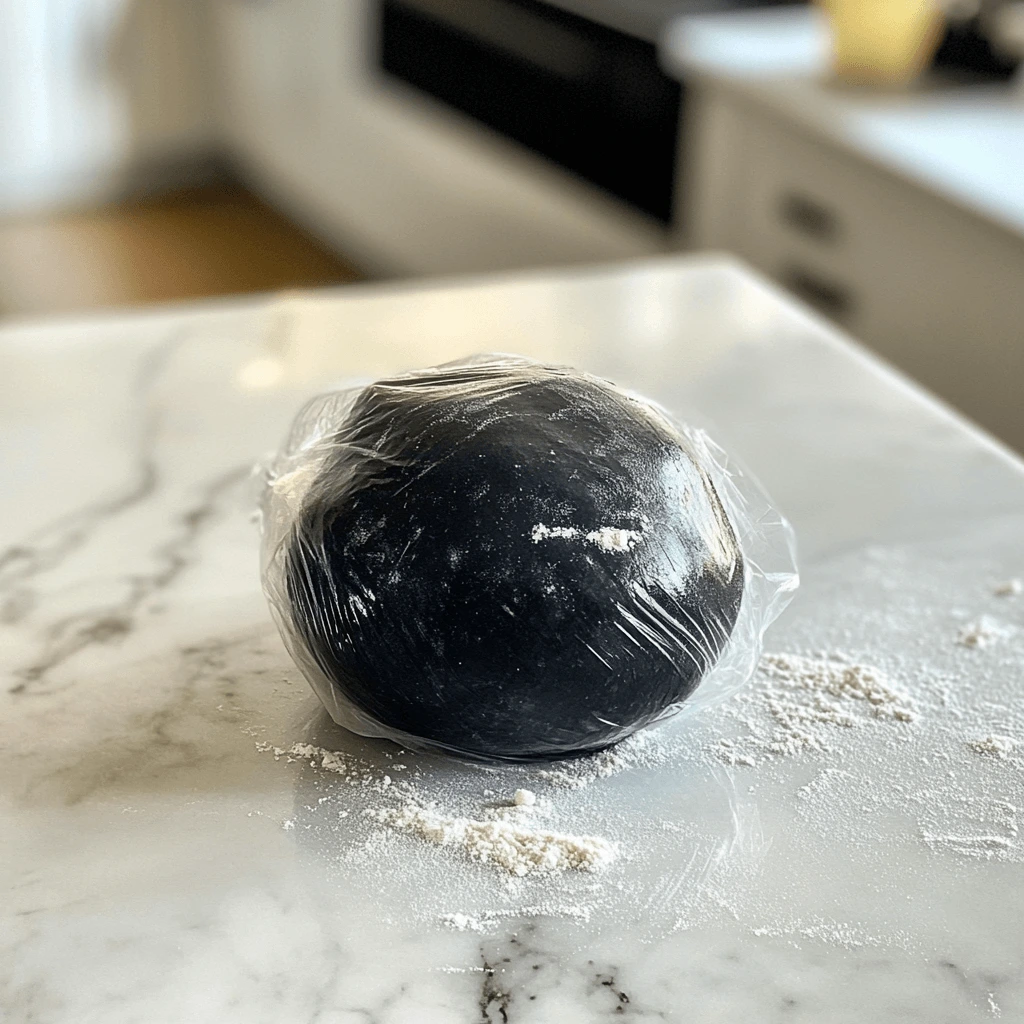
x=509, y=561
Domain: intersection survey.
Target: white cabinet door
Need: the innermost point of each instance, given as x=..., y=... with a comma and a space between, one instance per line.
x=928, y=285
x=389, y=177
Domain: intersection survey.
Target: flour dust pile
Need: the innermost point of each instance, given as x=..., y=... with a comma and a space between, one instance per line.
x=1000, y=747
x=471, y=845
x=982, y=633
x=505, y=837
x=807, y=699
x=514, y=845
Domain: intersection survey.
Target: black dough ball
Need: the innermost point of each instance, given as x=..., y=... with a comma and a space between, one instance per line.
x=512, y=562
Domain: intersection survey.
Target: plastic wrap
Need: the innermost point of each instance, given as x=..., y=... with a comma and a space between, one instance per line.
x=510, y=561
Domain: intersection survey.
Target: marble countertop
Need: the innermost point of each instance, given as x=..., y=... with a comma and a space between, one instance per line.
x=962, y=143
x=160, y=864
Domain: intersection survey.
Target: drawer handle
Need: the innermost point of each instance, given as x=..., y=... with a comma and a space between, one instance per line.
x=834, y=300
x=809, y=217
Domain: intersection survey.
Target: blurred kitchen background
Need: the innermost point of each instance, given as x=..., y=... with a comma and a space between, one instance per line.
x=866, y=154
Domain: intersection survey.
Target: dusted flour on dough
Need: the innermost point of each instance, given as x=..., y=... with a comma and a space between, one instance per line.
x=608, y=538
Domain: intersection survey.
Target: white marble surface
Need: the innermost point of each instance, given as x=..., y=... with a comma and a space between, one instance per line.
x=157, y=867
x=963, y=143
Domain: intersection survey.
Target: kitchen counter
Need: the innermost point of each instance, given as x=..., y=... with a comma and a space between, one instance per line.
x=962, y=143
x=162, y=864
x=645, y=19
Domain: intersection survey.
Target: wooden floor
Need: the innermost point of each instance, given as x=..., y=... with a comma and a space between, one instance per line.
x=192, y=244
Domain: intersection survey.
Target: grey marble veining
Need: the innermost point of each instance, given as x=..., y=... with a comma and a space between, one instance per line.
x=158, y=865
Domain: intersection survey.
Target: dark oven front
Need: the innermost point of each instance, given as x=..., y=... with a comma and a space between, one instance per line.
x=587, y=97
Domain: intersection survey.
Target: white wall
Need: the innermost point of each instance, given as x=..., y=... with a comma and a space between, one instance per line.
x=95, y=94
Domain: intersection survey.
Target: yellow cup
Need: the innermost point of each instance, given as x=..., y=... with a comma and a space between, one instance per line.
x=885, y=42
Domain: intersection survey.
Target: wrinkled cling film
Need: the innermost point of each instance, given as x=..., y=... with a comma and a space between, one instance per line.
x=426, y=666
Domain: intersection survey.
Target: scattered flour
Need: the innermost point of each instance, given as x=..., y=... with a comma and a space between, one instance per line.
x=541, y=532
x=611, y=539
x=993, y=746
x=350, y=768
x=484, y=923
x=983, y=829
x=518, y=848
x=982, y=633
x=504, y=836
x=572, y=912
x=608, y=538
x=462, y=923
x=970, y=846
x=1009, y=588
x=642, y=749
x=938, y=784
x=802, y=699
x=329, y=760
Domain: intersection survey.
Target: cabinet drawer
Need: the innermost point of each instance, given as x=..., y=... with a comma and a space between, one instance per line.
x=925, y=283
x=807, y=220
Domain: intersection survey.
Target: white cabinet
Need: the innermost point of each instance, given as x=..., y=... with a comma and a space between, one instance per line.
x=931, y=286
x=99, y=95
x=387, y=176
